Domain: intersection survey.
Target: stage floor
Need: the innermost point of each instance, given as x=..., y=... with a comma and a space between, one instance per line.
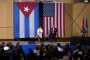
x=35, y=42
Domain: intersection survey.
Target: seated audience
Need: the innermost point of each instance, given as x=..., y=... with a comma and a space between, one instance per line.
x=3, y=44
x=78, y=53
x=42, y=51
x=18, y=51
x=86, y=53
x=68, y=52
x=36, y=51
x=49, y=53
x=9, y=51
x=59, y=51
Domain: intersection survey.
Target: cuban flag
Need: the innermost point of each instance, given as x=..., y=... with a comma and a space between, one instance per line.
x=26, y=19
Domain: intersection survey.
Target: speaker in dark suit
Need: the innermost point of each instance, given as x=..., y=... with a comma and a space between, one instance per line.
x=53, y=32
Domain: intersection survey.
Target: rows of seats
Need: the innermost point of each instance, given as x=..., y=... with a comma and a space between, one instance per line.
x=28, y=48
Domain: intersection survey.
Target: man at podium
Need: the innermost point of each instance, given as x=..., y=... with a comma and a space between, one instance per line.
x=53, y=32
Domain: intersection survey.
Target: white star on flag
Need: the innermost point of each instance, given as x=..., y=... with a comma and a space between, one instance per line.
x=26, y=9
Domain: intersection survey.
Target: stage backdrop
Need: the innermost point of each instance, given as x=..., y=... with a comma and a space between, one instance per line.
x=72, y=10
x=27, y=16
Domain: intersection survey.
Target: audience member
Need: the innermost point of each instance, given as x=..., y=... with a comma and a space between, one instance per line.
x=78, y=52
x=68, y=51
x=42, y=51
x=2, y=44
x=59, y=51
x=86, y=53
x=9, y=51
x=49, y=53
x=37, y=52
x=18, y=51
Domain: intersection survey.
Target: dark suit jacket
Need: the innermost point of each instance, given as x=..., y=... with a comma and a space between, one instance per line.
x=53, y=32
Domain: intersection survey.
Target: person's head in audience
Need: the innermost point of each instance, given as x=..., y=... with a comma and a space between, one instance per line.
x=78, y=46
x=2, y=44
x=37, y=47
x=42, y=48
x=67, y=45
x=58, y=45
x=17, y=43
x=7, y=44
x=48, y=47
x=42, y=45
x=10, y=45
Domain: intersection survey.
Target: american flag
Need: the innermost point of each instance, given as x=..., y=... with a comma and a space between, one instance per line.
x=53, y=14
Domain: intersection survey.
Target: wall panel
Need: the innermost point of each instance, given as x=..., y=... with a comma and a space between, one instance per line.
x=80, y=12
x=6, y=19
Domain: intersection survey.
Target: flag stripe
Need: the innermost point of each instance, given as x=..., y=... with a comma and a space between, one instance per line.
x=47, y=25
x=26, y=20
x=59, y=18
x=64, y=18
x=62, y=21
x=50, y=25
x=22, y=25
x=52, y=20
x=36, y=19
x=31, y=22
x=16, y=21
x=58, y=14
x=43, y=26
x=56, y=17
